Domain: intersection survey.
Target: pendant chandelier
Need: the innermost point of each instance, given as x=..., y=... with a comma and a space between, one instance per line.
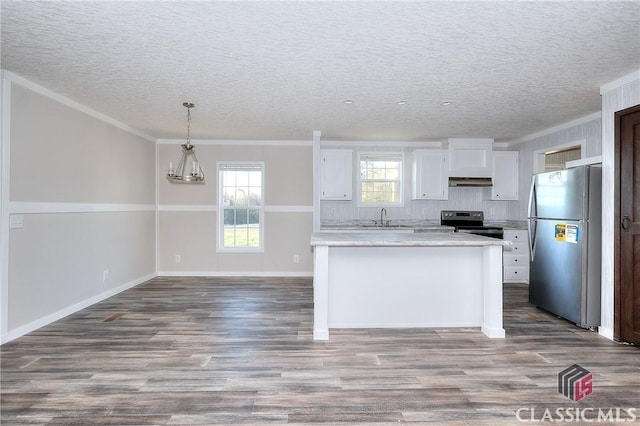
x=188, y=170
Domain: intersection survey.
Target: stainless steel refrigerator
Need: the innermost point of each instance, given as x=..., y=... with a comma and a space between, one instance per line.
x=565, y=215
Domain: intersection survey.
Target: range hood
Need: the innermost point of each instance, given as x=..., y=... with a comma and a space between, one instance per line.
x=470, y=181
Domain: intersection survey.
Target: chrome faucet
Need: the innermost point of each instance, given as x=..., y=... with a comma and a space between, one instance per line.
x=383, y=211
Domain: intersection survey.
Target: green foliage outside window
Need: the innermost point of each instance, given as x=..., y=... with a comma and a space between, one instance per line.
x=241, y=206
x=380, y=179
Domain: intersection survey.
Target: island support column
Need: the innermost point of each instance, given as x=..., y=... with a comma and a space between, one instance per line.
x=492, y=282
x=321, y=293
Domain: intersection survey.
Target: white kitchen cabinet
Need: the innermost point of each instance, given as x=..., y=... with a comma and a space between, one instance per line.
x=470, y=157
x=515, y=259
x=505, y=175
x=430, y=174
x=336, y=174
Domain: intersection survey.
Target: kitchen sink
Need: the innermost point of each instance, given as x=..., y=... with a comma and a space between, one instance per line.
x=376, y=226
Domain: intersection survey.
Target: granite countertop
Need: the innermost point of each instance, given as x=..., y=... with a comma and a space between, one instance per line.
x=368, y=226
x=415, y=225
x=398, y=239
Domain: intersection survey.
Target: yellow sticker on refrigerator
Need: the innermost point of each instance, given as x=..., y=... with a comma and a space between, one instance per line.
x=566, y=233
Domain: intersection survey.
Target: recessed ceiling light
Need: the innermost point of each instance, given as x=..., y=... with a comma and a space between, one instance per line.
x=446, y=103
x=402, y=102
x=347, y=102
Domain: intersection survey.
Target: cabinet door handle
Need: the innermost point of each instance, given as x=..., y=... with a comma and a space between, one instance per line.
x=625, y=223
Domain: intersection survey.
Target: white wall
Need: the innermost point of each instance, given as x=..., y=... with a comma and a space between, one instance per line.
x=460, y=198
x=188, y=214
x=84, y=186
x=587, y=129
x=616, y=96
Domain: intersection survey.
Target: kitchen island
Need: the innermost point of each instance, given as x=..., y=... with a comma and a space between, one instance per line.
x=384, y=279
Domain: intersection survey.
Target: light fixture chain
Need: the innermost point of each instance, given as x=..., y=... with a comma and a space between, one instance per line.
x=188, y=125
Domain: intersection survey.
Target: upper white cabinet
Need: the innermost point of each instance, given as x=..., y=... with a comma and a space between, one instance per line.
x=430, y=173
x=336, y=171
x=470, y=157
x=505, y=175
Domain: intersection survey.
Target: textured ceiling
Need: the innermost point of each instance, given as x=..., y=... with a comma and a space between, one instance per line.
x=279, y=70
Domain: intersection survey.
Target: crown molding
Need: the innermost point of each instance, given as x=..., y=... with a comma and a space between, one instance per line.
x=620, y=82
x=563, y=126
x=21, y=81
x=203, y=142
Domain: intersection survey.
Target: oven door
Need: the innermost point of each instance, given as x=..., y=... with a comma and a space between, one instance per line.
x=486, y=231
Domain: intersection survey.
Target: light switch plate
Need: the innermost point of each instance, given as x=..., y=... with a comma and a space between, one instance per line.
x=16, y=221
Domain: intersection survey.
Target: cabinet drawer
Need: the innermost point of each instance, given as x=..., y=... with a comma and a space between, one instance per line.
x=516, y=235
x=516, y=249
x=521, y=261
x=519, y=249
x=513, y=273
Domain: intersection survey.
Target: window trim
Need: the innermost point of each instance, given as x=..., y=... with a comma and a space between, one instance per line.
x=220, y=210
x=397, y=155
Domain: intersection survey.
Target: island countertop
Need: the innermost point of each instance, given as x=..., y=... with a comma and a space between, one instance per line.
x=399, y=239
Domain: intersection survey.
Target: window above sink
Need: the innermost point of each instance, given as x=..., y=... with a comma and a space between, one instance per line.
x=380, y=181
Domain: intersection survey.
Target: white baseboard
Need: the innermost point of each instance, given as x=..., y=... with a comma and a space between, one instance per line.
x=48, y=319
x=257, y=274
x=406, y=325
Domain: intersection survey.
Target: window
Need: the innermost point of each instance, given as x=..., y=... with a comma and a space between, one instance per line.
x=381, y=178
x=241, y=207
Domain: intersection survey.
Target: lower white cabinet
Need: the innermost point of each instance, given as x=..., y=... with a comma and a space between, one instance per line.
x=515, y=259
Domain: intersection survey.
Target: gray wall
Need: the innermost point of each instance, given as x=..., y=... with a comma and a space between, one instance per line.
x=85, y=190
x=188, y=213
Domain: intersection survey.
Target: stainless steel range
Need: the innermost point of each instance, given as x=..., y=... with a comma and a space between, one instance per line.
x=471, y=222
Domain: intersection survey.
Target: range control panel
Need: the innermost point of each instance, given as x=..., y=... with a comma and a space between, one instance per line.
x=451, y=217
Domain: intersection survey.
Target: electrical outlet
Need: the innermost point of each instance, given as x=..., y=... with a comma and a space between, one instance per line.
x=105, y=275
x=178, y=258
x=296, y=258
x=16, y=221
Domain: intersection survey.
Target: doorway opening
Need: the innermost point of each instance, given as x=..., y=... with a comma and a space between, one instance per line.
x=555, y=157
x=556, y=160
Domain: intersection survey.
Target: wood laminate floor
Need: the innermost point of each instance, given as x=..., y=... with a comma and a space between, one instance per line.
x=225, y=351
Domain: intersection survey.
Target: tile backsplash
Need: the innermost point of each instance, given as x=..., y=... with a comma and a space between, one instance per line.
x=459, y=199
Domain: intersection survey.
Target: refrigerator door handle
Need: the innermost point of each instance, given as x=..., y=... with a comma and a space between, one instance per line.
x=532, y=238
x=533, y=198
